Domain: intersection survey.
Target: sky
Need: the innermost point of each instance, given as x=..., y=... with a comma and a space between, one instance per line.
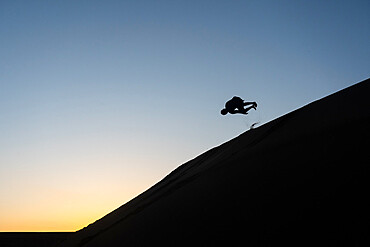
x=99, y=100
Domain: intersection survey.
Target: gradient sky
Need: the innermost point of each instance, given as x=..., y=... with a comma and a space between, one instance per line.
x=99, y=100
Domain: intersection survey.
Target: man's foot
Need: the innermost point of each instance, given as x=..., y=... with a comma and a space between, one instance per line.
x=254, y=106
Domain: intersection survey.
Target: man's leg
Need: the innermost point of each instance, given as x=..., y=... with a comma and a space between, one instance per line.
x=250, y=103
x=242, y=110
x=248, y=108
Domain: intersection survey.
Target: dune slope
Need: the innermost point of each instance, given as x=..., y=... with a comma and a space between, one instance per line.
x=301, y=179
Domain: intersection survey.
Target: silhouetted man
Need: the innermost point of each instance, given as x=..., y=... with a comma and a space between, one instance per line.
x=236, y=105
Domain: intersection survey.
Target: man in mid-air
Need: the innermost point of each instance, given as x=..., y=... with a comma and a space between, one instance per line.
x=236, y=105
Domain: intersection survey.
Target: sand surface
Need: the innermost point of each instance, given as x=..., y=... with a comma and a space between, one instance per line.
x=299, y=180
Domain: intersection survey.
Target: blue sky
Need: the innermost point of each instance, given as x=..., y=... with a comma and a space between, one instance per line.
x=100, y=96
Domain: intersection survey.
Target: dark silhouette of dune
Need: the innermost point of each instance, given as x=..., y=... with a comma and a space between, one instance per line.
x=32, y=239
x=299, y=180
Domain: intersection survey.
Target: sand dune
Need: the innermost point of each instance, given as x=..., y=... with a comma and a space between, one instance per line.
x=302, y=180
x=32, y=239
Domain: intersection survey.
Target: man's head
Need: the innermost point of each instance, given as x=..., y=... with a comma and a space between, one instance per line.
x=224, y=111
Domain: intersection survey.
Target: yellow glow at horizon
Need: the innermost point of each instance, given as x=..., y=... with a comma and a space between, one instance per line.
x=68, y=213
x=70, y=204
